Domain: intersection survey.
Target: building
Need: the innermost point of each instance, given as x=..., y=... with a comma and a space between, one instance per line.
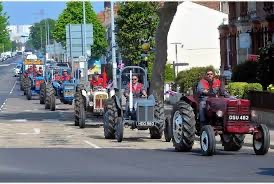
x=19, y=33
x=105, y=18
x=249, y=28
x=194, y=31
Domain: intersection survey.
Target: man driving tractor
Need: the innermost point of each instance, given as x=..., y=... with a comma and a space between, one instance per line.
x=137, y=88
x=208, y=86
x=96, y=81
x=65, y=76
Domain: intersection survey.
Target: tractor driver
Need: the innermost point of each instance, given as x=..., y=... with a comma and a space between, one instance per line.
x=96, y=81
x=208, y=86
x=138, y=89
x=65, y=76
x=40, y=71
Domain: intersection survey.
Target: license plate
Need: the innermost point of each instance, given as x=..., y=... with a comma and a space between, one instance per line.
x=238, y=117
x=68, y=94
x=145, y=123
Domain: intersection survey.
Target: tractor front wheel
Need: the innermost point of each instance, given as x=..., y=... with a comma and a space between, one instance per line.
x=261, y=140
x=207, y=140
x=28, y=89
x=168, y=129
x=119, y=129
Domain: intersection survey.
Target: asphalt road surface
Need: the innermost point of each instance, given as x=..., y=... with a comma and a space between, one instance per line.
x=37, y=145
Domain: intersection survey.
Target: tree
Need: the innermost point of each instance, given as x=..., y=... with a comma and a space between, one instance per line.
x=5, y=42
x=166, y=13
x=136, y=24
x=37, y=29
x=73, y=15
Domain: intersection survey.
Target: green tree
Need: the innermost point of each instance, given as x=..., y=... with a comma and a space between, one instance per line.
x=37, y=29
x=5, y=42
x=73, y=15
x=136, y=24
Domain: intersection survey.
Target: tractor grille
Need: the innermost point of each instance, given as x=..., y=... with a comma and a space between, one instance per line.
x=100, y=100
x=145, y=113
x=232, y=109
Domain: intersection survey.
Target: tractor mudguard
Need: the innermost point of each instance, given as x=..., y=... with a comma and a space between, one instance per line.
x=118, y=102
x=191, y=101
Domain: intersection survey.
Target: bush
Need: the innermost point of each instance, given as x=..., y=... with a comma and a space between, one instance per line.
x=237, y=89
x=241, y=89
x=189, y=78
x=245, y=72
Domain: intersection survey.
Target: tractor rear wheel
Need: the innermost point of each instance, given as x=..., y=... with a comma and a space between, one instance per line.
x=77, y=101
x=42, y=93
x=232, y=142
x=183, y=126
x=47, y=96
x=156, y=132
x=51, y=97
x=110, y=117
x=28, y=89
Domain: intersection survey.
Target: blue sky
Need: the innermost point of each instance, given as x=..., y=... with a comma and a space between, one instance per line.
x=26, y=12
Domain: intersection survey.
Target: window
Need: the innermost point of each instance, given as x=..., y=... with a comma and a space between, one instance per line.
x=243, y=8
x=232, y=11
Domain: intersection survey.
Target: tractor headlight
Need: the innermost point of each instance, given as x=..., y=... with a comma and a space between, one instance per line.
x=253, y=113
x=219, y=113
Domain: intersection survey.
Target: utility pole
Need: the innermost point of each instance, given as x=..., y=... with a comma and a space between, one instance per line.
x=176, y=55
x=113, y=47
x=84, y=46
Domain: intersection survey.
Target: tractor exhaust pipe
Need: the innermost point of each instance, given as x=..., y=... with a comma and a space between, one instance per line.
x=130, y=92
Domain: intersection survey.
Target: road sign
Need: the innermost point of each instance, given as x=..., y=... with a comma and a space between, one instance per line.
x=245, y=40
x=75, y=38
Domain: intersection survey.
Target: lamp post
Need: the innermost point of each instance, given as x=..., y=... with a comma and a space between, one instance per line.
x=113, y=47
x=176, y=51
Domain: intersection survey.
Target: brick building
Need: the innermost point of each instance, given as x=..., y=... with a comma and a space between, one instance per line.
x=255, y=21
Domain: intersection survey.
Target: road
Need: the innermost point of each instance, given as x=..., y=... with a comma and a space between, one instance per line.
x=37, y=145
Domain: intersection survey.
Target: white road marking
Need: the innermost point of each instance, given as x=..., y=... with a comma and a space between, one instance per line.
x=36, y=131
x=5, y=65
x=13, y=87
x=91, y=144
x=19, y=120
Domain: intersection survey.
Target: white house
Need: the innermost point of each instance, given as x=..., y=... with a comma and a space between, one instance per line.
x=195, y=29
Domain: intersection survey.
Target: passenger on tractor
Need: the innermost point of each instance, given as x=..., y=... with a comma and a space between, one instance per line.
x=208, y=86
x=57, y=77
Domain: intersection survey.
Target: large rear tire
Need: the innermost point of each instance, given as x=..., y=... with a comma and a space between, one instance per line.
x=156, y=132
x=28, y=89
x=119, y=129
x=42, y=93
x=232, y=142
x=183, y=126
x=110, y=116
x=47, y=98
x=82, y=113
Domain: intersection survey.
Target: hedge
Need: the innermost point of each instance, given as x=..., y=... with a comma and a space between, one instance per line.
x=241, y=89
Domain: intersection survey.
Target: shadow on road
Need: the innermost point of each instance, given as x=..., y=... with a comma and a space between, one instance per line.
x=266, y=171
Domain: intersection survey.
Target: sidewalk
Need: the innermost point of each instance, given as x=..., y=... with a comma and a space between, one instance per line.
x=265, y=117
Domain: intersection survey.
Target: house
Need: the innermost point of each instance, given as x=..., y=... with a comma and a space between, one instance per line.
x=194, y=34
x=250, y=27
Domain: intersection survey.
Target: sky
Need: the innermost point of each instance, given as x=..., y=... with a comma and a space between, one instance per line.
x=26, y=13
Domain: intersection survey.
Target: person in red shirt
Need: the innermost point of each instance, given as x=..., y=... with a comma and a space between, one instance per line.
x=97, y=81
x=57, y=77
x=137, y=88
x=65, y=76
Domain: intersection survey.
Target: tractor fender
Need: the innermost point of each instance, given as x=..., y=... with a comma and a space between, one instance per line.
x=84, y=93
x=192, y=102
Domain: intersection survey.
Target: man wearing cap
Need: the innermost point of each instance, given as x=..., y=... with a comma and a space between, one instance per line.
x=97, y=81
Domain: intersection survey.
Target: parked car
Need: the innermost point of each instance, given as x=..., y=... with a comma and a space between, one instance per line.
x=17, y=70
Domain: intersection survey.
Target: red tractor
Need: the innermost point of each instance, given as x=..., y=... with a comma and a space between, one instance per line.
x=226, y=116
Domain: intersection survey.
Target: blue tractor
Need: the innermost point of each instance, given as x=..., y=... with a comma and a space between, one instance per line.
x=58, y=88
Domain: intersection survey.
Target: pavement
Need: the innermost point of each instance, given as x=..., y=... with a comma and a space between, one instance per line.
x=38, y=145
